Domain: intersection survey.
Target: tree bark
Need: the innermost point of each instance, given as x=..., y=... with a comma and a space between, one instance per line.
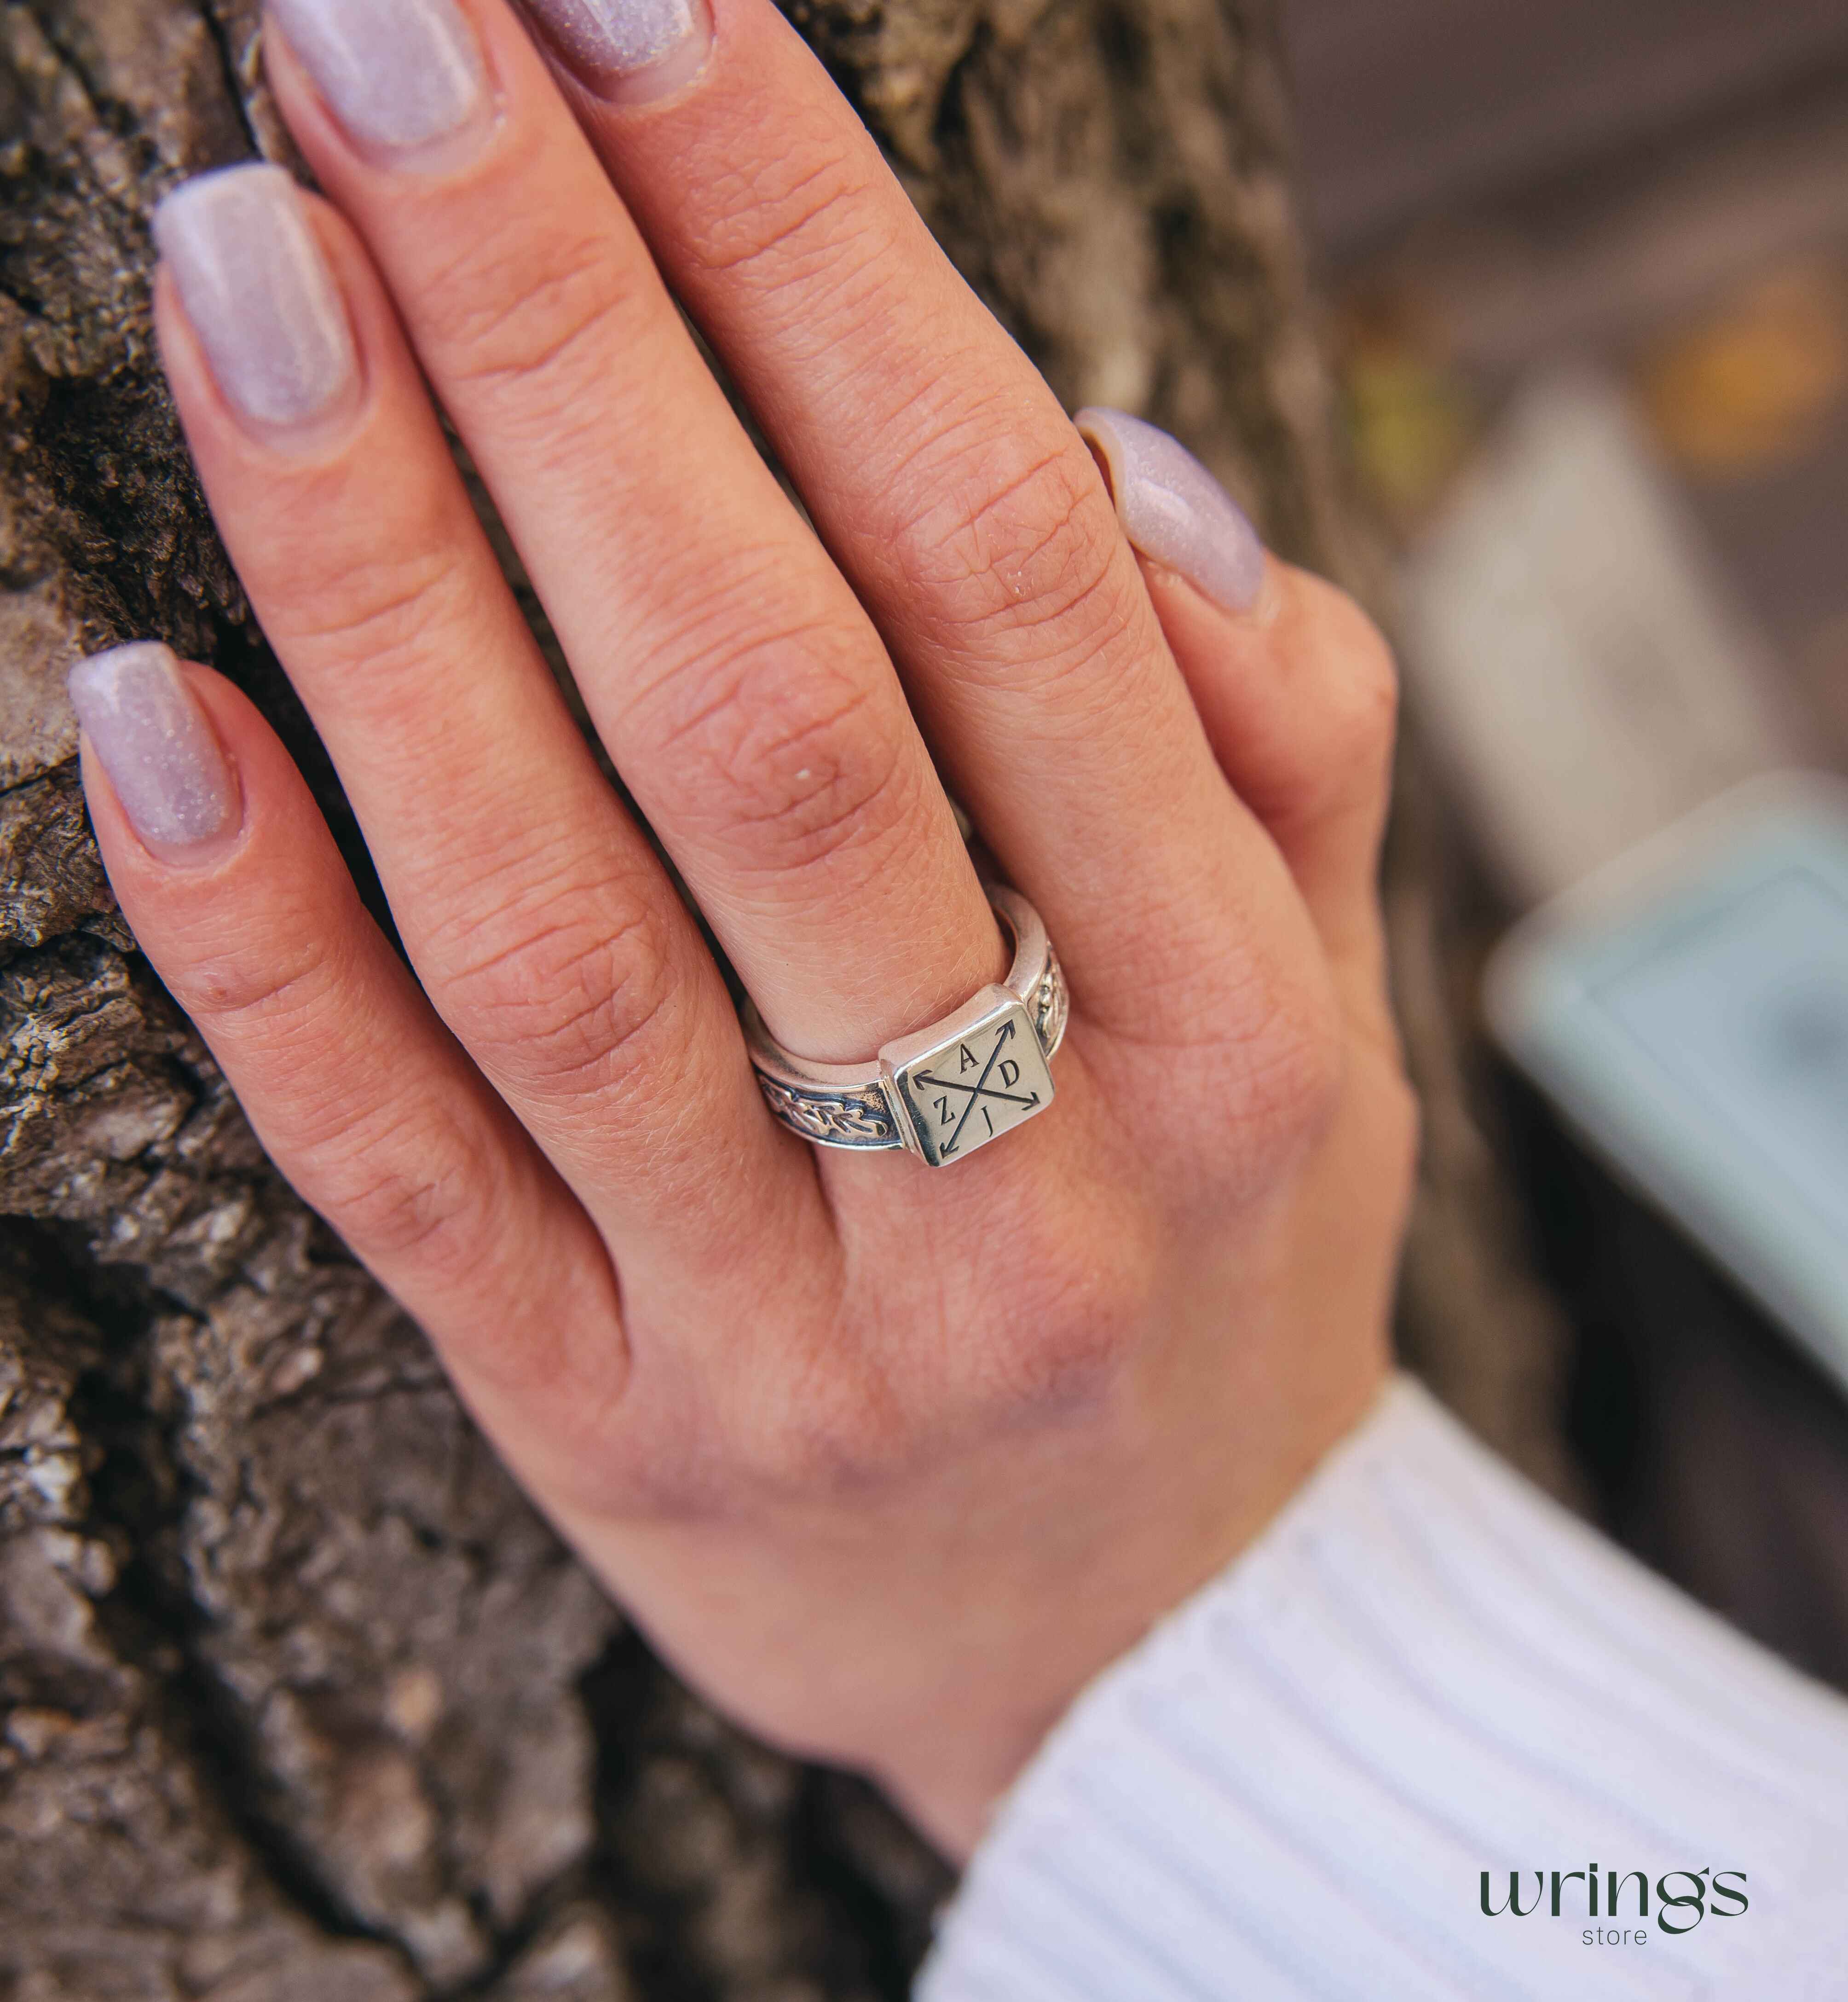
x=298, y=1697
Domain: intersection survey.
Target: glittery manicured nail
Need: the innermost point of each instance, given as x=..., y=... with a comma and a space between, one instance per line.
x=259, y=295
x=401, y=75
x=157, y=745
x=1174, y=511
x=626, y=49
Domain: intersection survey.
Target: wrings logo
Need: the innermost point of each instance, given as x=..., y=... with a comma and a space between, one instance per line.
x=1683, y=1897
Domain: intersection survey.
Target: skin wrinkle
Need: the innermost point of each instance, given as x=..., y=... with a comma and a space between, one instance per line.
x=978, y=567
x=828, y=837
x=696, y=619
x=558, y=327
x=557, y=977
x=287, y=1004
x=737, y=261
x=493, y=837
x=728, y=675
x=230, y=987
x=363, y=625
x=844, y=353
x=1044, y=527
x=848, y=357
x=729, y=815
x=1044, y=676
x=445, y=1205
x=520, y=276
x=1054, y=698
x=586, y=885
x=450, y=1207
x=830, y=289
x=347, y=1128
x=858, y=816
x=737, y=181
x=491, y=998
x=544, y=860
x=963, y=556
x=851, y=769
x=856, y=869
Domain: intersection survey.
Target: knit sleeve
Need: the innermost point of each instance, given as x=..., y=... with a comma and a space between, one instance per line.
x=1430, y=1738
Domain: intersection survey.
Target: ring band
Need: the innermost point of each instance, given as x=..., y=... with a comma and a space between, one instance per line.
x=950, y=1088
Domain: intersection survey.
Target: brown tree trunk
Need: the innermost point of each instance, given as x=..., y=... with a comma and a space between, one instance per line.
x=297, y=1698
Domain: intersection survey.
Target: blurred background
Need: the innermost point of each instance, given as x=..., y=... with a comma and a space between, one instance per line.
x=1600, y=251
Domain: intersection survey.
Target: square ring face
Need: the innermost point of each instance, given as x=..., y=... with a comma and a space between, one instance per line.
x=972, y=1086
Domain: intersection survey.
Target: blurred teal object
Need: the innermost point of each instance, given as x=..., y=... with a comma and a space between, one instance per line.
x=1686, y=1009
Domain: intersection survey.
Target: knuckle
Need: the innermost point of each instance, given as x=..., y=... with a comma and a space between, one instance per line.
x=519, y=312
x=373, y=607
x=769, y=218
x=569, y=988
x=254, y=990
x=1279, y=1071
x=440, y=1212
x=1017, y=540
x=789, y=748
x=1291, y=1085
x=1092, y=1309
x=401, y=1182
x=830, y=1434
x=847, y=1418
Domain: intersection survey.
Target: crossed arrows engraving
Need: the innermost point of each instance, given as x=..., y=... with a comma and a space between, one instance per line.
x=978, y=1089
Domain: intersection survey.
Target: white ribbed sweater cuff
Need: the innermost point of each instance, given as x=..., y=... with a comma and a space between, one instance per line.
x=1422, y=1671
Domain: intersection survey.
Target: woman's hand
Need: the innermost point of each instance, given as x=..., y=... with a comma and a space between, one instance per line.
x=890, y=1460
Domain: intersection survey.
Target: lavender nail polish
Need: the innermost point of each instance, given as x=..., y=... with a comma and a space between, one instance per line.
x=259, y=295
x=159, y=750
x=626, y=49
x=401, y=75
x=1174, y=511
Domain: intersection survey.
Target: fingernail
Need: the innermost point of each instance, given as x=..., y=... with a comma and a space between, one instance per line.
x=626, y=50
x=157, y=745
x=259, y=294
x=1174, y=511
x=401, y=75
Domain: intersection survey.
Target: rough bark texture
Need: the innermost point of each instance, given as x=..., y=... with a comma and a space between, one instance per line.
x=297, y=1698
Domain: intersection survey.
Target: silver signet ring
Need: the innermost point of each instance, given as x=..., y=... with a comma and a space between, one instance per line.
x=950, y=1088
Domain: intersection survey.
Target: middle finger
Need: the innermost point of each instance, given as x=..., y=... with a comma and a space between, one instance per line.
x=741, y=687
x=956, y=495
